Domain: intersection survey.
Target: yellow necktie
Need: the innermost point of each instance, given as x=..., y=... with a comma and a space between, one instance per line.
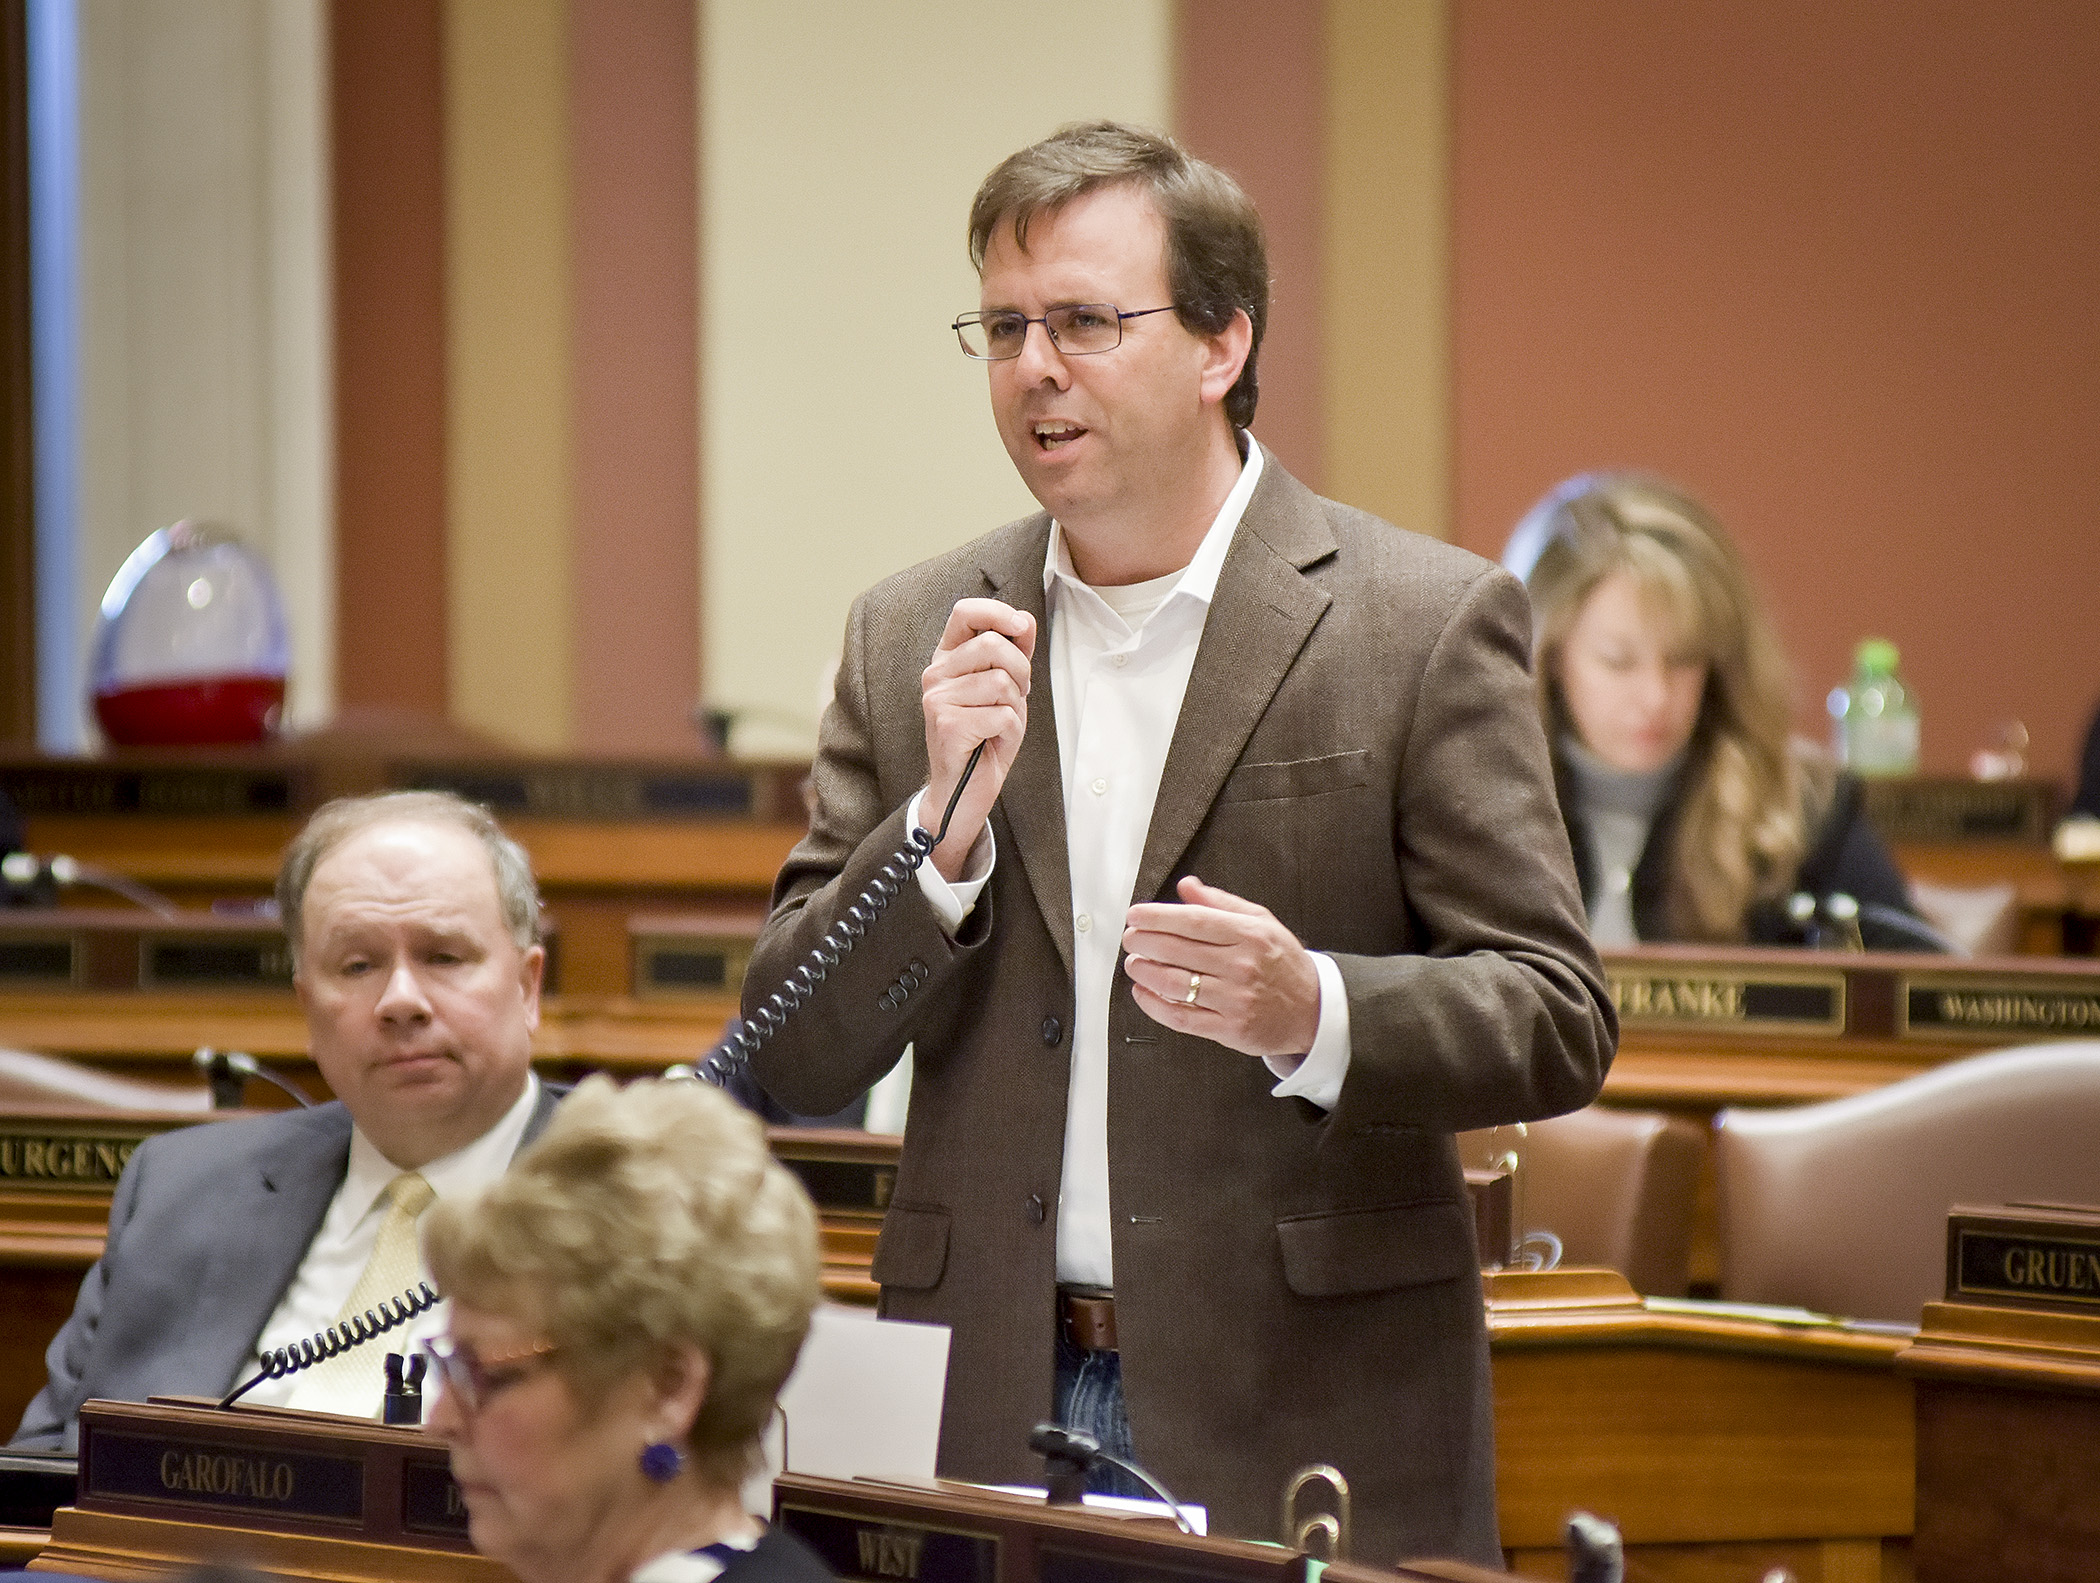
x=394, y=1267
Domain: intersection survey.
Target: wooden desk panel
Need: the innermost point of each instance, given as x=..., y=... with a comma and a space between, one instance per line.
x=1721, y=1446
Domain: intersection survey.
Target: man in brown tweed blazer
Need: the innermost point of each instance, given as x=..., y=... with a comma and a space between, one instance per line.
x=1258, y=895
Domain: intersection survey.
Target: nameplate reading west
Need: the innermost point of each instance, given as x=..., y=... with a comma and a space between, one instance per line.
x=891, y=1552
x=1714, y=995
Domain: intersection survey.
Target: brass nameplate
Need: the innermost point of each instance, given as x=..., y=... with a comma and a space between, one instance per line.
x=215, y=961
x=1936, y=1006
x=1711, y=995
x=52, y=1156
x=690, y=964
x=92, y=788
x=39, y=961
x=2032, y=1260
x=875, y=1550
x=846, y=1185
x=430, y=1501
x=570, y=791
x=226, y=1479
x=1925, y=809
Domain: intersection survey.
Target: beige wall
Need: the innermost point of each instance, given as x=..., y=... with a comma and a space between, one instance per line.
x=508, y=459
x=1386, y=308
x=844, y=435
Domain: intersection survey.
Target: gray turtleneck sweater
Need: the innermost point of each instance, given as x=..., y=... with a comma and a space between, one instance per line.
x=1616, y=808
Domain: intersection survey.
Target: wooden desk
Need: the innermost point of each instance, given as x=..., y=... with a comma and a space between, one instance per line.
x=1721, y=1446
x=607, y=836
x=2008, y=1443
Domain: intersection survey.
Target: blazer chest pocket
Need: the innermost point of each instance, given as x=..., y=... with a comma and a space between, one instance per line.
x=1351, y=1252
x=1297, y=777
x=913, y=1248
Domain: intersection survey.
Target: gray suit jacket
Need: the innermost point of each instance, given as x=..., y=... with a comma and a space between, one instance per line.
x=206, y=1231
x=1359, y=750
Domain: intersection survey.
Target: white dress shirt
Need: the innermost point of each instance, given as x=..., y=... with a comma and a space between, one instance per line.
x=1119, y=663
x=336, y=1258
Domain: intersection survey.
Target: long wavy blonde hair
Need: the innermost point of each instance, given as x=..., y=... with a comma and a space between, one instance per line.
x=1743, y=816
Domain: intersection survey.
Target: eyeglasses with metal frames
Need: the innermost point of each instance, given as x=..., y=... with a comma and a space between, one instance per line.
x=474, y=1379
x=1076, y=331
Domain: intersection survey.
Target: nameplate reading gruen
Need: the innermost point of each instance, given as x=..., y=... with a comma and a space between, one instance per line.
x=2030, y=1257
x=58, y=1157
x=891, y=1552
x=1711, y=995
x=1935, y=1006
x=223, y=1478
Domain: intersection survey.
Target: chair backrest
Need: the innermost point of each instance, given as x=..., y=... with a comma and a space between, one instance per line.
x=47, y=1080
x=1617, y=1187
x=1842, y=1207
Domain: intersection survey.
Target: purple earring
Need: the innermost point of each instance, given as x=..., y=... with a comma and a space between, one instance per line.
x=662, y=1462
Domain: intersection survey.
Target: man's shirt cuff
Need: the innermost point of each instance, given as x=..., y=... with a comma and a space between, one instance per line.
x=953, y=903
x=1319, y=1076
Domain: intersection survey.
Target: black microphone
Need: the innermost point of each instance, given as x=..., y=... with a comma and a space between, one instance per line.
x=228, y=1072
x=32, y=881
x=1070, y=1454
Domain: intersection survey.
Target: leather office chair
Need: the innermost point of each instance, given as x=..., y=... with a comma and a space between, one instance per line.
x=1615, y=1186
x=45, y=1080
x=1842, y=1207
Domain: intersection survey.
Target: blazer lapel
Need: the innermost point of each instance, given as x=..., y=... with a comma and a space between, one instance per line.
x=286, y=1189
x=1260, y=616
x=1029, y=817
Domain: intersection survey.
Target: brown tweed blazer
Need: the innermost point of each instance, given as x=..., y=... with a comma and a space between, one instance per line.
x=1359, y=751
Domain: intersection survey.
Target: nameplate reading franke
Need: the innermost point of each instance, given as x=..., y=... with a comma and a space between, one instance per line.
x=1706, y=995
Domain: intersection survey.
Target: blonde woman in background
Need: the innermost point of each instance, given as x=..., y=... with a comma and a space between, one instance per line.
x=1693, y=814
x=626, y=1303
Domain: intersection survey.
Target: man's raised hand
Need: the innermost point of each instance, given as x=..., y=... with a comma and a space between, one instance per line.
x=974, y=690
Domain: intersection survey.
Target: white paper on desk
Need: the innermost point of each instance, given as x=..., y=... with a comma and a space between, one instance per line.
x=864, y=1400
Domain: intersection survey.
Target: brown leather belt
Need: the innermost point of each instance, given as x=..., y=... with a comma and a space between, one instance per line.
x=1088, y=1323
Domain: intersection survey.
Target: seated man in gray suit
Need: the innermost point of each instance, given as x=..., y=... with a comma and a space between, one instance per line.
x=414, y=926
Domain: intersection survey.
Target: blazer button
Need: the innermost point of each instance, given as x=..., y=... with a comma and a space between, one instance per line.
x=1053, y=1030
x=1035, y=1210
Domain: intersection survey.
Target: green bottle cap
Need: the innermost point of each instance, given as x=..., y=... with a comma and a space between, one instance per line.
x=1875, y=657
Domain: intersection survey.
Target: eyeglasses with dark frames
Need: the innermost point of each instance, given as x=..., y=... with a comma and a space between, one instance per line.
x=473, y=1378
x=1080, y=330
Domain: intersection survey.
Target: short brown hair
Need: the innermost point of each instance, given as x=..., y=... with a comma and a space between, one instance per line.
x=1217, y=263
x=644, y=1217
x=336, y=822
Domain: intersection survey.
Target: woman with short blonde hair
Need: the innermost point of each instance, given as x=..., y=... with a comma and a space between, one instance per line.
x=626, y=1302
x=1692, y=812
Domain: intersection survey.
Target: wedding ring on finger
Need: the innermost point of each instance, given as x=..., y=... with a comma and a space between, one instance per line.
x=1195, y=988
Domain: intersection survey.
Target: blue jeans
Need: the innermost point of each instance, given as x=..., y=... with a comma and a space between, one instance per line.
x=1090, y=1398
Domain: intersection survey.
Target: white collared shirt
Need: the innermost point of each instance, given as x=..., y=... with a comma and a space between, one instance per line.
x=337, y=1255
x=1117, y=686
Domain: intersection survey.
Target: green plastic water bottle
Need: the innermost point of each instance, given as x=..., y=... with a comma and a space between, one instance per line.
x=1874, y=719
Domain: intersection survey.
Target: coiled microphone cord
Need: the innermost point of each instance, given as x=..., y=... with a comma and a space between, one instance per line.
x=734, y=1053
x=340, y=1337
